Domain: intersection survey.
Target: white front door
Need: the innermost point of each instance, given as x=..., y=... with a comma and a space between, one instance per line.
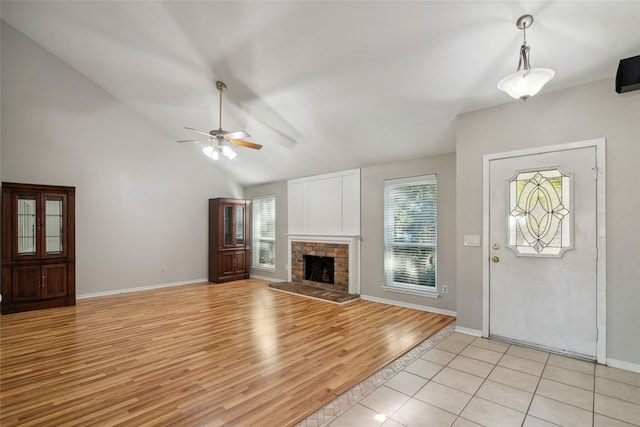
x=543, y=250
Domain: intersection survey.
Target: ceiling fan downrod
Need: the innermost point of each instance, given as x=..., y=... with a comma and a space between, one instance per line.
x=221, y=88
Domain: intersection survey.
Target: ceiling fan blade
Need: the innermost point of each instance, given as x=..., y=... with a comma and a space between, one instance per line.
x=247, y=144
x=198, y=131
x=195, y=140
x=236, y=135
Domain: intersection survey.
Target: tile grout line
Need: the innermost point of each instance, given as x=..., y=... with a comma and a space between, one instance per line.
x=593, y=401
x=459, y=416
x=533, y=395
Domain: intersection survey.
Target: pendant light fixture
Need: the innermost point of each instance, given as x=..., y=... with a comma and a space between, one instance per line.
x=526, y=81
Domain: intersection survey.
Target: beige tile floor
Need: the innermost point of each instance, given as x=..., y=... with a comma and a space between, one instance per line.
x=454, y=379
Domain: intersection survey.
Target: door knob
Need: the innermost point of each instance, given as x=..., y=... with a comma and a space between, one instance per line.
x=495, y=259
x=496, y=246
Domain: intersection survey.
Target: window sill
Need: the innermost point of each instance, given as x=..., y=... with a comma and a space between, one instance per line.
x=428, y=294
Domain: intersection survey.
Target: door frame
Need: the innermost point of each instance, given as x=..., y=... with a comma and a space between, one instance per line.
x=601, y=262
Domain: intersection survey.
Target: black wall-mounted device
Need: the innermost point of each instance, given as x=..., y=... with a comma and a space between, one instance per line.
x=628, y=76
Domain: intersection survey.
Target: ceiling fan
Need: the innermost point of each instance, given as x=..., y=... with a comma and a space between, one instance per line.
x=221, y=137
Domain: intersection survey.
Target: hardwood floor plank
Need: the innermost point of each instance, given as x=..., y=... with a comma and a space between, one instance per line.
x=236, y=353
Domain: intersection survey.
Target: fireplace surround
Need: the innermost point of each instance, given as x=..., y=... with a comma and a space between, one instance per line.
x=343, y=249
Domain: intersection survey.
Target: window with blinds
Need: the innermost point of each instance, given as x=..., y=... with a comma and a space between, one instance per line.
x=264, y=232
x=411, y=233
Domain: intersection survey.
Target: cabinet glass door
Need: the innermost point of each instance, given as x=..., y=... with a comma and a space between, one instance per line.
x=53, y=225
x=26, y=225
x=228, y=225
x=239, y=225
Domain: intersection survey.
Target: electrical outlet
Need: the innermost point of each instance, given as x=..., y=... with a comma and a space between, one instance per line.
x=445, y=289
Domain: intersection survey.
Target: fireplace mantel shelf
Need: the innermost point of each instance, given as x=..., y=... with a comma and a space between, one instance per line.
x=322, y=236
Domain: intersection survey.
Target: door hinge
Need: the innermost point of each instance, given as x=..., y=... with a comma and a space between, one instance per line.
x=595, y=170
x=596, y=334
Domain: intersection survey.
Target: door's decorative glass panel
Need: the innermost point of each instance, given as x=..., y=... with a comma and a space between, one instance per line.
x=540, y=216
x=53, y=224
x=26, y=225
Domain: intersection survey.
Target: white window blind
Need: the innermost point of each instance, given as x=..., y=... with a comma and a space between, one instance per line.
x=411, y=232
x=264, y=232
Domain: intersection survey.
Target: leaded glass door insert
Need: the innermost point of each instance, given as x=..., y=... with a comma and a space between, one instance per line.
x=26, y=232
x=540, y=213
x=239, y=225
x=53, y=225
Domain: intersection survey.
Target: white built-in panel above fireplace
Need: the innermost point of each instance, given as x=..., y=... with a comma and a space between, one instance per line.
x=326, y=205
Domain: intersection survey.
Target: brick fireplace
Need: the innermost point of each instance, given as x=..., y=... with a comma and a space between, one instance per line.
x=346, y=262
x=340, y=254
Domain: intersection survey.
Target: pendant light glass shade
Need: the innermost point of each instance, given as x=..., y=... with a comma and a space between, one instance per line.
x=526, y=81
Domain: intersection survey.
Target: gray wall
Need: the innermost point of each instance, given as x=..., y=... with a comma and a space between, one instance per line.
x=278, y=189
x=372, y=228
x=586, y=112
x=141, y=199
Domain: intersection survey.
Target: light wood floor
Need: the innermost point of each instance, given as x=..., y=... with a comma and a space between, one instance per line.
x=205, y=354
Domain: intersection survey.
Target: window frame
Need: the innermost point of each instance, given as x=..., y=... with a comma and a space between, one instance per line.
x=391, y=242
x=257, y=238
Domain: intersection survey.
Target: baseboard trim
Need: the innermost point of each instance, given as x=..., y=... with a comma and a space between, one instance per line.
x=409, y=305
x=469, y=331
x=269, y=279
x=621, y=364
x=140, y=288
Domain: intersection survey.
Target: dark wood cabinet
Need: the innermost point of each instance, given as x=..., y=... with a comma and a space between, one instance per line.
x=229, y=239
x=38, y=247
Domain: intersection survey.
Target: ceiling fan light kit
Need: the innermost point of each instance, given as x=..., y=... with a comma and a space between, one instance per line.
x=526, y=81
x=222, y=139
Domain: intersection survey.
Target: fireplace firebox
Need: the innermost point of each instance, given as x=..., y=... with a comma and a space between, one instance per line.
x=318, y=268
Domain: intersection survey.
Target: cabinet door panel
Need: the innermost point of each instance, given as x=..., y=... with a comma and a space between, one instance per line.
x=26, y=283
x=227, y=262
x=241, y=262
x=228, y=226
x=26, y=225
x=53, y=221
x=239, y=226
x=55, y=280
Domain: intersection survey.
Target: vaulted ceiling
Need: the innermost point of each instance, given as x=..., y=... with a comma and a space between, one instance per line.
x=323, y=85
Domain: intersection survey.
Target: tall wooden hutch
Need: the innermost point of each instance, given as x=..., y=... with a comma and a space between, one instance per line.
x=229, y=239
x=38, y=247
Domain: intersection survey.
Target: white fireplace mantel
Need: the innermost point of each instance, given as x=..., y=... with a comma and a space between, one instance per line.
x=353, y=241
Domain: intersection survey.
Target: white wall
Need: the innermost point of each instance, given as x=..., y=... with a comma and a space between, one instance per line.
x=141, y=199
x=586, y=112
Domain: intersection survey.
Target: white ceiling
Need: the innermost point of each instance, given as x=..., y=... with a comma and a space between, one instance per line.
x=324, y=86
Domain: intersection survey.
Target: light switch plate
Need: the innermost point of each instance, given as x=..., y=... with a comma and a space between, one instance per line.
x=471, y=240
